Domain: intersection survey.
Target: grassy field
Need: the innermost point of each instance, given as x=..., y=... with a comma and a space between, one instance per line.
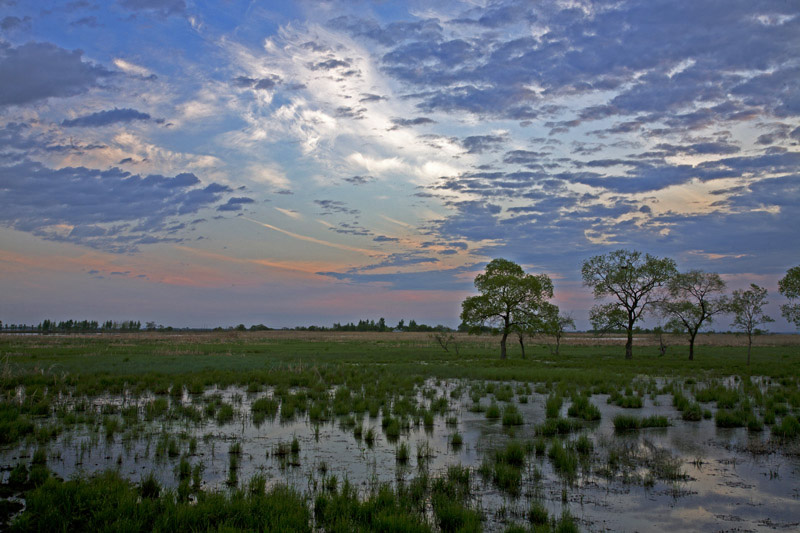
x=388, y=390
x=144, y=360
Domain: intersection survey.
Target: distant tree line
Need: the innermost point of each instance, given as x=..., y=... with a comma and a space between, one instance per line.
x=73, y=326
x=380, y=325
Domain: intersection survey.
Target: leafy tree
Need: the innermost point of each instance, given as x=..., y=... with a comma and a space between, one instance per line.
x=556, y=324
x=789, y=286
x=748, y=311
x=631, y=280
x=509, y=298
x=691, y=302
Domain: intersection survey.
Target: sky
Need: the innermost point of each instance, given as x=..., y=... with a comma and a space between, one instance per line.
x=204, y=163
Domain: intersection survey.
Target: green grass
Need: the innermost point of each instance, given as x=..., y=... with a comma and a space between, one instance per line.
x=583, y=408
x=109, y=503
x=789, y=428
x=630, y=422
x=512, y=416
x=94, y=364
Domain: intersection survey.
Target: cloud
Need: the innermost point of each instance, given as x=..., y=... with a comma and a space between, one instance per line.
x=265, y=83
x=367, y=97
x=10, y=23
x=478, y=144
x=163, y=8
x=449, y=279
x=329, y=64
x=289, y=213
x=330, y=207
x=89, y=22
x=104, y=118
x=235, y=204
x=110, y=209
x=405, y=122
x=133, y=69
x=392, y=33
x=35, y=71
x=359, y=180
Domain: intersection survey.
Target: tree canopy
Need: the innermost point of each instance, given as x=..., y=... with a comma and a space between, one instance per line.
x=692, y=302
x=747, y=307
x=789, y=286
x=509, y=299
x=630, y=280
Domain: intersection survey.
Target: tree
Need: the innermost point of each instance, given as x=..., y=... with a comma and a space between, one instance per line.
x=509, y=297
x=691, y=302
x=629, y=279
x=530, y=321
x=789, y=286
x=556, y=324
x=747, y=308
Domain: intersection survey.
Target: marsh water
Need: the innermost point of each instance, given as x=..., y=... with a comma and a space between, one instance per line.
x=719, y=479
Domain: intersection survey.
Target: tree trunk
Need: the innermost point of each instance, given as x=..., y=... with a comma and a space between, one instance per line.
x=691, y=345
x=558, y=345
x=749, y=345
x=629, y=343
x=522, y=346
x=503, y=346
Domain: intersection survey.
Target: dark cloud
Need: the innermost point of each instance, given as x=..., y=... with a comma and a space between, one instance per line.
x=524, y=157
x=330, y=207
x=110, y=209
x=500, y=14
x=88, y=22
x=477, y=144
x=267, y=83
x=396, y=261
x=329, y=64
x=430, y=280
x=15, y=23
x=235, y=204
x=346, y=228
x=663, y=59
x=367, y=97
x=390, y=34
x=406, y=122
x=359, y=180
x=163, y=8
x=384, y=238
x=35, y=71
x=244, y=81
x=351, y=112
x=104, y=118
x=700, y=148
